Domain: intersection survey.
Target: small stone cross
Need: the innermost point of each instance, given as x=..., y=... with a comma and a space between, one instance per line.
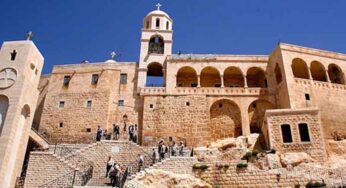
x=113, y=55
x=29, y=35
x=158, y=5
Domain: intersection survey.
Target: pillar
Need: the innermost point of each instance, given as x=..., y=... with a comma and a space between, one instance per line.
x=164, y=77
x=245, y=82
x=222, y=82
x=245, y=122
x=327, y=76
x=309, y=72
x=198, y=80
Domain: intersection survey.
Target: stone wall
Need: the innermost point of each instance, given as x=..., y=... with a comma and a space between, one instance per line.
x=219, y=176
x=275, y=118
x=178, y=165
x=77, y=121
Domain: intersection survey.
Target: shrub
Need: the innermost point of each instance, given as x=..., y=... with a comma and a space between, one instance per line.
x=241, y=165
x=202, y=167
x=315, y=184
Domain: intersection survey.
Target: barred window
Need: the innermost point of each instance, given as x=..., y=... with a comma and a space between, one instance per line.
x=123, y=78
x=120, y=102
x=94, y=79
x=67, y=80
x=61, y=104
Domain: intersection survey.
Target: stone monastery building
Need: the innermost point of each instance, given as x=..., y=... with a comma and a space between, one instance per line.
x=294, y=97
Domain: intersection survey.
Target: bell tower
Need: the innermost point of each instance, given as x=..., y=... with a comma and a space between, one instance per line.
x=156, y=44
x=20, y=70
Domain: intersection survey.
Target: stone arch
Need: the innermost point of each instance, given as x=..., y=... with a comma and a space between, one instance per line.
x=4, y=103
x=318, y=72
x=210, y=77
x=156, y=45
x=300, y=69
x=255, y=77
x=155, y=75
x=233, y=77
x=187, y=77
x=225, y=119
x=336, y=75
x=278, y=73
x=256, y=111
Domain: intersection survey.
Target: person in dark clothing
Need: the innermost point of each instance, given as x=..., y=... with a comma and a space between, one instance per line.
x=131, y=130
x=116, y=131
x=110, y=163
x=99, y=134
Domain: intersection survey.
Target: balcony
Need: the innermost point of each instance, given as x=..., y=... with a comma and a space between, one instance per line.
x=230, y=91
x=320, y=84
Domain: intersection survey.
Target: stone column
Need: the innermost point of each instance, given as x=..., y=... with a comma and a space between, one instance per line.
x=222, y=82
x=245, y=81
x=327, y=76
x=198, y=80
x=309, y=72
x=245, y=122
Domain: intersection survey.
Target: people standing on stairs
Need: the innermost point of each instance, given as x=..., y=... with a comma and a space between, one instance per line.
x=99, y=133
x=174, y=149
x=109, y=165
x=140, y=162
x=131, y=130
x=181, y=148
x=135, y=134
x=153, y=157
x=106, y=135
x=159, y=148
x=164, y=150
x=116, y=131
x=115, y=174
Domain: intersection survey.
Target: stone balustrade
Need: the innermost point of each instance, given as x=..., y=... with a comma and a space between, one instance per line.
x=205, y=91
x=320, y=84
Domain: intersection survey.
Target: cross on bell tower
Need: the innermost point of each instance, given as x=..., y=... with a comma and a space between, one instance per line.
x=158, y=5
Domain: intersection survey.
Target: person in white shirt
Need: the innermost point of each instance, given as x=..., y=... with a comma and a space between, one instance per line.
x=110, y=163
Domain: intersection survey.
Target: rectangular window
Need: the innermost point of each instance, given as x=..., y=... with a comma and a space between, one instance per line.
x=187, y=103
x=94, y=79
x=120, y=102
x=61, y=104
x=304, y=132
x=286, y=133
x=88, y=130
x=61, y=124
x=67, y=80
x=89, y=103
x=151, y=106
x=307, y=96
x=123, y=78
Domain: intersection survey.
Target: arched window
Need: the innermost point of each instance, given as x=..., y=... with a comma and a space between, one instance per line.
x=318, y=72
x=278, y=74
x=155, y=75
x=286, y=133
x=186, y=77
x=300, y=69
x=156, y=45
x=256, y=78
x=233, y=77
x=335, y=74
x=304, y=132
x=157, y=22
x=167, y=25
x=3, y=111
x=210, y=77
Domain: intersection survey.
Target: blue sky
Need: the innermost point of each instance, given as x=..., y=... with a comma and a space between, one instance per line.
x=69, y=31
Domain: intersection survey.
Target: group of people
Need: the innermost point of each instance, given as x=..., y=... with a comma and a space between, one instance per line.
x=115, y=135
x=172, y=149
x=116, y=173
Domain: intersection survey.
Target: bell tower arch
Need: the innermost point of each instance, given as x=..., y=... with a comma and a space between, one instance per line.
x=156, y=44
